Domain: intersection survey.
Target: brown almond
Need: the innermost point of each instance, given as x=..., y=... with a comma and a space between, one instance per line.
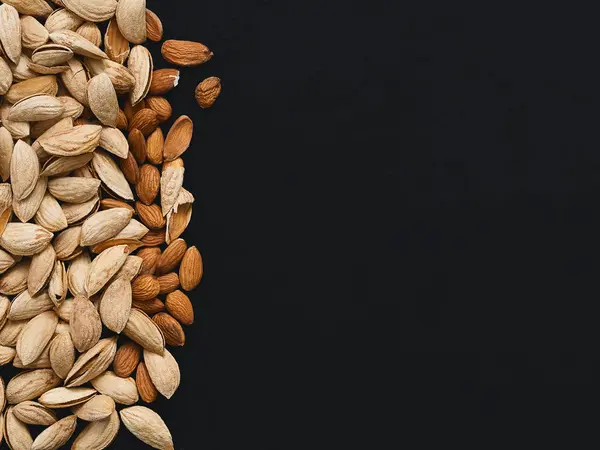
x=168, y=283
x=150, y=257
x=161, y=106
x=145, y=287
x=155, y=146
x=191, y=269
x=154, y=27
x=148, y=184
x=130, y=169
x=131, y=110
x=180, y=307
x=151, y=215
x=171, y=257
x=145, y=120
x=146, y=388
x=172, y=330
x=208, y=91
x=122, y=122
x=127, y=359
x=154, y=238
x=163, y=81
x=137, y=145
x=150, y=307
x=110, y=203
x=185, y=53
x=179, y=138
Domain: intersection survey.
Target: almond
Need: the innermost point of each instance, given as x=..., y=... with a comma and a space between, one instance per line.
x=154, y=238
x=110, y=203
x=150, y=257
x=168, y=283
x=151, y=215
x=161, y=107
x=163, y=81
x=131, y=18
x=185, y=53
x=130, y=169
x=148, y=184
x=137, y=145
x=191, y=269
x=127, y=359
x=117, y=47
x=150, y=307
x=145, y=120
x=144, y=384
x=208, y=91
x=154, y=27
x=171, y=257
x=122, y=122
x=155, y=146
x=179, y=306
x=145, y=287
x=179, y=138
x=172, y=330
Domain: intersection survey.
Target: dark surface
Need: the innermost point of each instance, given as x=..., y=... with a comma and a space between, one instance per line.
x=396, y=210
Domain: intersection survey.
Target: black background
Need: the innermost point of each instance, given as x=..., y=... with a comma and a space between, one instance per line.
x=396, y=207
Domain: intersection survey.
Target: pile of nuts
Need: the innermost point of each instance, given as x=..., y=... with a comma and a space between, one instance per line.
x=93, y=269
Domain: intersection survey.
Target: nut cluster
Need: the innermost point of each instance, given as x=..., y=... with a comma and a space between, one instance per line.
x=93, y=269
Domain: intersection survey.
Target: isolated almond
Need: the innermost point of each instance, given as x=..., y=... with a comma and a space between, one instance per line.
x=122, y=122
x=102, y=99
x=110, y=203
x=179, y=138
x=154, y=146
x=146, y=388
x=154, y=238
x=161, y=107
x=185, y=53
x=147, y=426
x=154, y=27
x=191, y=269
x=179, y=306
x=127, y=359
x=144, y=120
x=171, y=257
x=208, y=91
x=171, y=329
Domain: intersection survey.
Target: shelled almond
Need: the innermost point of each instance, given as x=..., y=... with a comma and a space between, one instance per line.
x=92, y=210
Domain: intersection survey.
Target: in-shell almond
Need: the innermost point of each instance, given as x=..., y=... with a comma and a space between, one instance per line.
x=117, y=47
x=36, y=108
x=141, y=65
x=62, y=354
x=115, y=305
x=131, y=18
x=24, y=306
x=86, y=326
x=91, y=32
x=16, y=433
x=92, y=363
x=56, y=435
x=34, y=86
x=99, y=434
x=121, y=390
x=171, y=182
x=72, y=142
x=102, y=99
x=25, y=239
x=77, y=43
x=142, y=330
x=114, y=141
x=31, y=384
x=147, y=426
x=33, y=413
x=164, y=371
x=111, y=175
x=185, y=53
x=24, y=170
x=104, y=225
x=97, y=408
x=41, y=267
x=73, y=189
x=27, y=207
x=10, y=33
x=65, y=397
x=104, y=266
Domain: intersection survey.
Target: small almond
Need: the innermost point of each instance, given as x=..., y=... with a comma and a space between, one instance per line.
x=185, y=53
x=163, y=81
x=168, y=283
x=145, y=120
x=154, y=27
x=155, y=146
x=171, y=329
x=161, y=107
x=208, y=91
x=145, y=287
x=146, y=388
x=127, y=359
x=148, y=184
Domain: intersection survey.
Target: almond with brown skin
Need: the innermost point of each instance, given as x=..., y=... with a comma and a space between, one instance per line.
x=191, y=269
x=155, y=146
x=130, y=169
x=161, y=106
x=145, y=287
x=168, y=283
x=150, y=307
x=145, y=120
x=154, y=238
x=208, y=91
x=151, y=215
x=172, y=330
x=154, y=27
x=148, y=184
x=185, y=53
x=144, y=384
x=122, y=122
x=110, y=203
x=150, y=257
x=171, y=257
x=137, y=145
x=127, y=359
x=180, y=307
x=131, y=110
x=163, y=81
